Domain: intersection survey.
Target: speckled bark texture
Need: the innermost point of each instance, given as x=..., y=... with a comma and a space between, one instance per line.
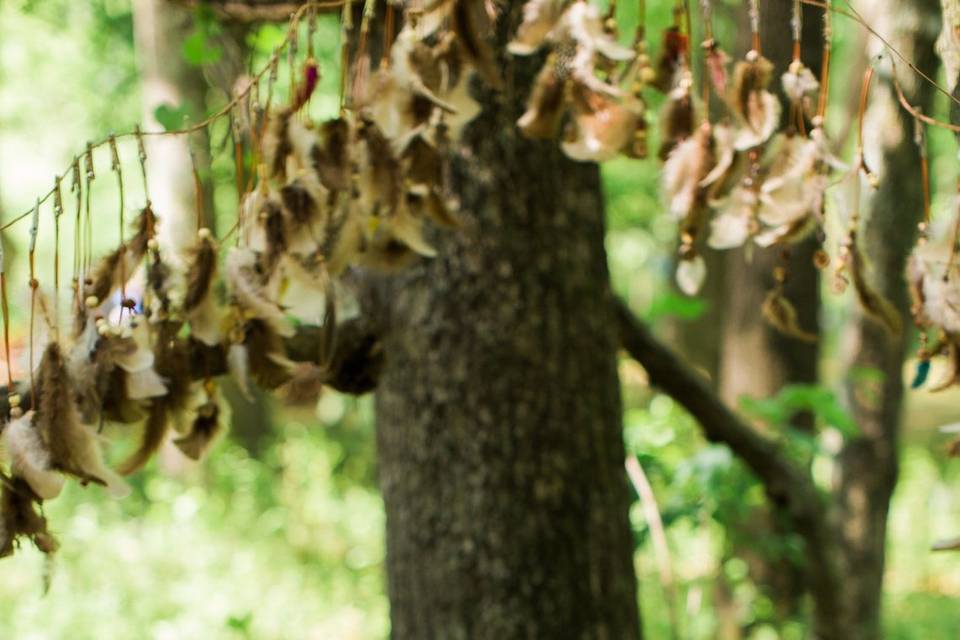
x=498, y=409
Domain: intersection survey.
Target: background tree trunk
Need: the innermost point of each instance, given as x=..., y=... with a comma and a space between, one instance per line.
x=498, y=410
x=756, y=359
x=868, y=465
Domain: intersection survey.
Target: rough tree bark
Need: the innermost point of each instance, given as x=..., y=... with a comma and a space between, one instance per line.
x=498, y=409
x=867, y=466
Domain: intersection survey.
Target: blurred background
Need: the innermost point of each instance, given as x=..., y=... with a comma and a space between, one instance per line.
x=279, y=534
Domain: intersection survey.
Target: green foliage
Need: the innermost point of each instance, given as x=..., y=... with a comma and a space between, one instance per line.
x=780, y=409
x=198, y=47
x=172, y=117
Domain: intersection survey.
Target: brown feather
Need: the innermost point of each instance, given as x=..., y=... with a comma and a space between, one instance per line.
x=201, y=271
x=546, y=105
x=57, y=418
x=204, y=430
x=678, y=123
x=305, y=385
x=782, y=316
x=275, y=233
x=20, y=519
x=173, y=364
x=115, y=269
x=267, y=356
x=330, y=158
x=299, y=203
x=470, y=21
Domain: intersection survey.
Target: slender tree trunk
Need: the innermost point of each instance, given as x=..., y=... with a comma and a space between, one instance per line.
x=498, y=410
x=867, y=467
x=160, y=27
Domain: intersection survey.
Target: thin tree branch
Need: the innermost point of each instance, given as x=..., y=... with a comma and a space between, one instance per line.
x=354, y=367
x=720, y=424
x=238, y=11
x=786, y=483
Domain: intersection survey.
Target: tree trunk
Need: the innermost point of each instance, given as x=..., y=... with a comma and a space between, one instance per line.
x=498, y=410
x=160, y=28
x=867, y=467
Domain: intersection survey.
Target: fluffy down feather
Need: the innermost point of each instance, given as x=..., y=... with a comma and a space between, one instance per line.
x=29, y=459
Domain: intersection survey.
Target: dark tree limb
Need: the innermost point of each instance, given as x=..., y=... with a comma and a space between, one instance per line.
x=786, y=483
x=354, y=367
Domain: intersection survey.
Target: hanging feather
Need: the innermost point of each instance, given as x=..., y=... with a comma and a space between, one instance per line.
x=684, y=172
x=206, y=428
x=269, y=365
x=539, y=19
x=305, y=385
x=875, y=305
x=30, y=459
x=546, y=105
x=157, y=279
x=471, y=23
x=173, y=364
x=602, y=127
x=782, y=316
x=117, y=268
x=305, y=89
x=757, y=110
x=73, y=448
x=246, y=287
x=329, y=156
x=675, y=50
x=20, y=519
x=677, y=121
x=953, y=375
x=199, y=307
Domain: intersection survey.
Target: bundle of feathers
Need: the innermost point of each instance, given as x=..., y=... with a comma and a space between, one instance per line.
x=356, y=191
x=933, y=279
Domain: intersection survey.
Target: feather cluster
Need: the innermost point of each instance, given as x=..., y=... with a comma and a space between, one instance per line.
x=600, y=119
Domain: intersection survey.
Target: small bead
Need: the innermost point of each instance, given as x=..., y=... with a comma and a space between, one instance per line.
x=91, y=302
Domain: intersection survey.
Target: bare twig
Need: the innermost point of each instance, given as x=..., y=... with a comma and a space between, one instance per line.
x=658, y=536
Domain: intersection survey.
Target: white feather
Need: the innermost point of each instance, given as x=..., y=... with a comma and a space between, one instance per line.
x=250, y=296
x=29, y=459
x=238, y=363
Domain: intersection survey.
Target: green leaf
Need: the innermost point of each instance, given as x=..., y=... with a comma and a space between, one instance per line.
x=674, y=305
x=198, y=51
x=171, y=117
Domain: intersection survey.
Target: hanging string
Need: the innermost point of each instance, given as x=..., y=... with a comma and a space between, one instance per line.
x=197, y=188
x=388, y=29
x=34, y=230
x=710, y=49
x=142, y=157
x=13, y=400
x=920, y=139
x=115, y=166
x=796, y=25
x=87, y=253
x=825, y=72
x=755, y=24
x=238, y=169
x=346, y=26
x=57, y=212
x=294, y=44
x=312, y=30
x=76, y=187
